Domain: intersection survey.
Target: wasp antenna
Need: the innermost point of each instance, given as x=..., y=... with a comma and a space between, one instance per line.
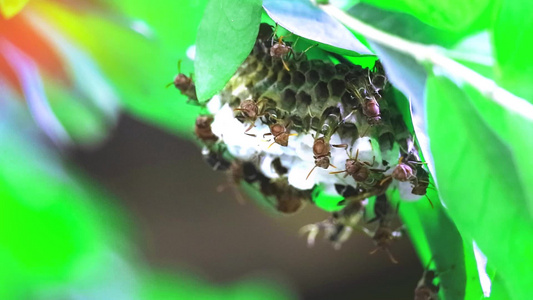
x=273, y=35
x=249, y=127
x=293, y=134
x=345, y=146
x=169, y=84
x=271, y=145
x=333, y=166
x=179, y=66
x=309, y=48
x=337, y=172
x=374, y=251
x=430, y=201
x=238, y=195
x=385, y=180
x=356, y=154
x=394, y=261
x=295, y=42
x=285, y=64
x=366, y=131
x=310, y=172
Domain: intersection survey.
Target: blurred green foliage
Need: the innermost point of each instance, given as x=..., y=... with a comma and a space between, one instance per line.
x=60, y=233
x=54, y=225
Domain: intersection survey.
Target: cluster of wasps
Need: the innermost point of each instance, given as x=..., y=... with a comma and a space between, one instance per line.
x=285, y=91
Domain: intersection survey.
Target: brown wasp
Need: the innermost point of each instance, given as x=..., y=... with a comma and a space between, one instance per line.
x=322, y=154
x=238, y=172
x=185, y=84
x=361, y=171
x=281, y=50
x=288, y=199
x=340, y=225
x=404, y=171
x=214, y=157
x=281, y=134
x=252, y=110
x=426, y=289
x=384, y=235
x=202, y=129
x=421, y=183
x=367, y=97
x=410, y=169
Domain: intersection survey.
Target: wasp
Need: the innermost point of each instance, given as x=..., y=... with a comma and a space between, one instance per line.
x=322, y=154
x=340, y=225
x=404, y=171
x=214, y=157
x=282, y=50
x=384, y=235
x=367, y=97
x=281, y=134
x=421, y=183
x=410, y=169
x=203, y=131
x=238, y=172
x=361, y=171
x=371, y=111
x=252, y=110
x=185, y=85
x=288, y=199
x=426, y=289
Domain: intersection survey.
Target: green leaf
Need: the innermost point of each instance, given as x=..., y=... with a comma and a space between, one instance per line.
x=403, y=25
x=515, y=130
x=479, y=184
x=451, y=15
x=435, y=236
x=513, y=39
x=226, y=36
x=304, y=19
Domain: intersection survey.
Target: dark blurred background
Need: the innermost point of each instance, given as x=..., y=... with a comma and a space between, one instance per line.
x=182, y=223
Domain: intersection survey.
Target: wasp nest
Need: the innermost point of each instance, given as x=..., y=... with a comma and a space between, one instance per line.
x=288, y=125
